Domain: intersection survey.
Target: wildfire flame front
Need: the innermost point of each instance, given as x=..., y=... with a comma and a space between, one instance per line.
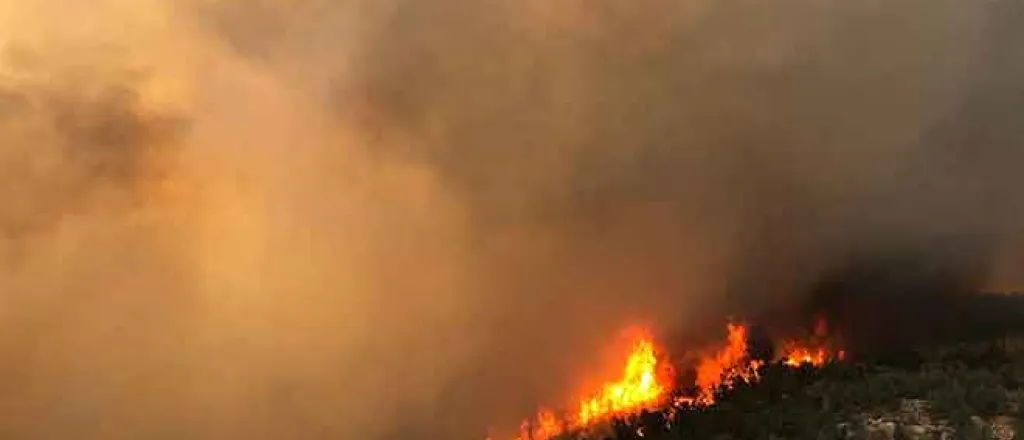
x=638, y=387
x=643, y=384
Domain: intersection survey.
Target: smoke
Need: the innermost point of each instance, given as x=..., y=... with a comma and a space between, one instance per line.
x=405, y=219
x=655, y=158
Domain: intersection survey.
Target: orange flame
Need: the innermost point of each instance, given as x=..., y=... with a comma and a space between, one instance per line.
x=816, y=351
x=797, y=356
x=725, y=366
x=638, y=387
x=547, y=425
x=641, y=386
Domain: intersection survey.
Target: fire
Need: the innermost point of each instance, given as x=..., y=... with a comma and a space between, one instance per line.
x=638, y=387
x=726, y=365
x=797, y=356
x=643, y=385
x=815, y=351
x=546, y=427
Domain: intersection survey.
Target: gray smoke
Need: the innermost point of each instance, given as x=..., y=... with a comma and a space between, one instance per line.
x=273, y=219
x=659, y=157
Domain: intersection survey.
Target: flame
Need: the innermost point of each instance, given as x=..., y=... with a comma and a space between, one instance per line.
x=797, y=356
x=727, y=365
x=641, y=385
x=815, y=351
x=638, y=387
x=546, y=427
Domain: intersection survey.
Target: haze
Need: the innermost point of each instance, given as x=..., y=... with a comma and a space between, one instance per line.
x=395, y=219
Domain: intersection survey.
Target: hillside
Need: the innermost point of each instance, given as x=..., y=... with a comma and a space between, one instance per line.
x=963, y=380
x=969, y=391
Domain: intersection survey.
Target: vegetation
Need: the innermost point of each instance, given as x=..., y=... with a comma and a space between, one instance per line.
x=953, y=390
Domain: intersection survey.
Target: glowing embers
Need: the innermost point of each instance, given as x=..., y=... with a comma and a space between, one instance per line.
x=816, y=350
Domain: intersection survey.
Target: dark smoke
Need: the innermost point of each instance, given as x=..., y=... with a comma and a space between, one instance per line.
x=71, y=138
x=815, y=156
x=922, y=287
x=413, y=219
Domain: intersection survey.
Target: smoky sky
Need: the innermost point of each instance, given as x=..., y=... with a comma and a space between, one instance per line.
x=419, y=219
x=780, y=146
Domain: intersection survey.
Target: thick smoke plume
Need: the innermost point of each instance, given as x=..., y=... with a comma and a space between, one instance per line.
x=395, y=219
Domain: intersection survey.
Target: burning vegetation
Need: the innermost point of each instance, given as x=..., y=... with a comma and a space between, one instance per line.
x=641, y=385
x=816, y=350
x=827, y=381
x=651, y=381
